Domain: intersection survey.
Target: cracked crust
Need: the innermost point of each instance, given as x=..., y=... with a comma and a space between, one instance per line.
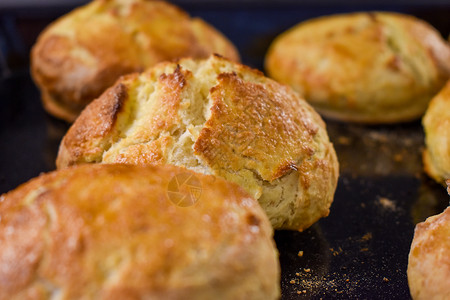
x=81, y=54
x=109, y=232
x=436, y=124
x=216, y=117
x=429, y=258
x=363, y=67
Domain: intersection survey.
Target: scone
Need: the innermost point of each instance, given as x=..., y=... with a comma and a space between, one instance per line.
x=215, y=117
x=81, y=54
x=436, y=123
x=116, y=232
x=363, y=67
x=429, y=259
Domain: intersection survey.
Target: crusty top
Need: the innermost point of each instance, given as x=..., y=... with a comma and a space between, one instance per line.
x=436, y=123
x=429, y=259
x=364, y=67
x=111, y=232
x=215, y=117
x=81, y=54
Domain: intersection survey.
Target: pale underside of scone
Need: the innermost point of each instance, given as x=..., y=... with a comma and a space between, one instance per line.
x=110, y=232
x=215, y=117
x=81, y=54
x=429, y=259
x=436, y=123
x=363, y=67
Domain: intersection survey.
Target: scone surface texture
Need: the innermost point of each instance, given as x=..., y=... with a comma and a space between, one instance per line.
x=363, y=67
x=429, y=259
x=436, y=123
x=215, y=117
x=112, y=232
x=84, y=52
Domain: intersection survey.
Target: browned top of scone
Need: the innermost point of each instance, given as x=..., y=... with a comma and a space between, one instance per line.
x=429, y=258
x=375, y=67
x=81, y=54
x=215, y=117
x=120, y=231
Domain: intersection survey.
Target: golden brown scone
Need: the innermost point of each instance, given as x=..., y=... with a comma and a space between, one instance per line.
x=215, y=117
x=111, y=232
x=436, y=123
x=363, y=67
x=429, y=259
x=81, y=54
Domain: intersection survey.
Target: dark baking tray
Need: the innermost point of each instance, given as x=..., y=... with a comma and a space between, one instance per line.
x=361, y=250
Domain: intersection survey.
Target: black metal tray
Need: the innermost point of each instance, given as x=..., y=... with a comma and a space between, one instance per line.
x=361, y=250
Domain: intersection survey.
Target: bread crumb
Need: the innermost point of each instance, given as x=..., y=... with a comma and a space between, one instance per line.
x=297, y=274
x=336, y=252
x=300, y=253
x=385, y=279
x=307, y=270
x=367, y=236
x=292, y=281
x=387, y=203
x=299, y=292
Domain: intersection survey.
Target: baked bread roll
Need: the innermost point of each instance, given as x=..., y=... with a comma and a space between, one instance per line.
x=429, y=259
x=114, y=232
x=363, y=67
x=215, y=117
x=81, y=54
x=436, y=123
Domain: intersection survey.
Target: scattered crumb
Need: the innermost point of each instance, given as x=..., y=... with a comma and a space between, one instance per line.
x=386, y=203
x=292, y=281
x=385, y=279
x=298, y=292
x=379, y=137
x=366, y=237
x=364, y=249
x=297, y=274
x=307, y=270
x=304, y=291
x=300, y=253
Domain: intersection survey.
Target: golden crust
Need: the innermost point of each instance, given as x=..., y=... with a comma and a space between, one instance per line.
x=110, y=232
x=448, y=185
x=436, y=123
x=81, y=54
x=429, y=259
x=215, y=117
x=363, y=67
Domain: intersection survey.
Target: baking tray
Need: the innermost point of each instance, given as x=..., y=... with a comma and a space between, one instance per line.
x=360, y=251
